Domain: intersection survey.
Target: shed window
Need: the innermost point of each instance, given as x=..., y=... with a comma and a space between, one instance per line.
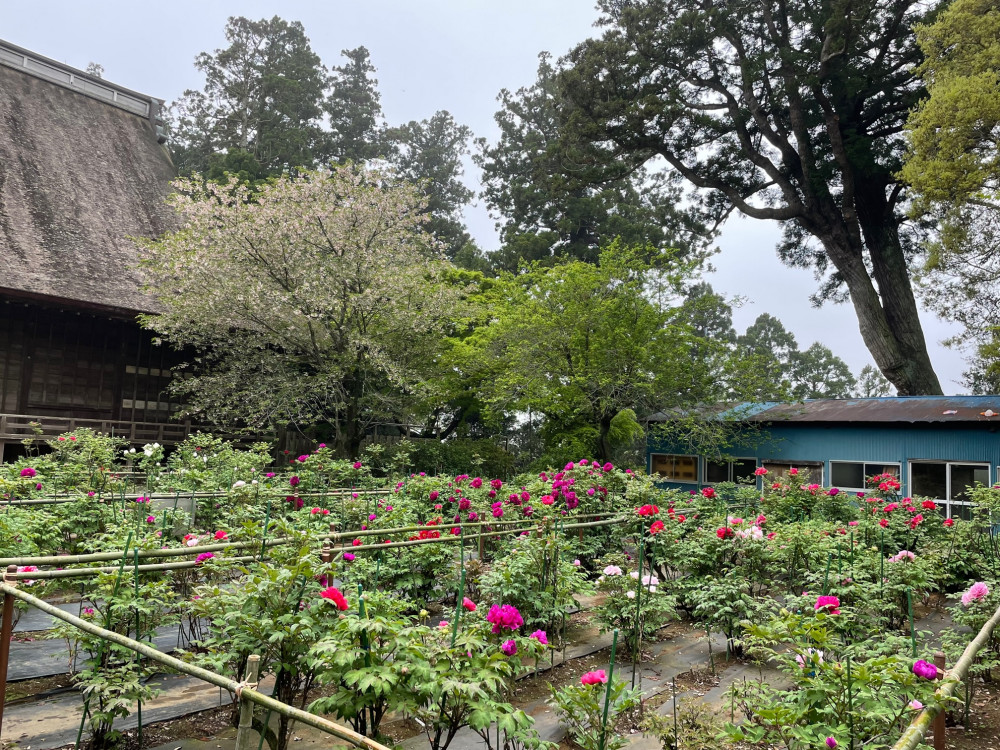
x=675, y=468
x=807, y=472
x=947, y=483
x=740, y=470
x=851, y=475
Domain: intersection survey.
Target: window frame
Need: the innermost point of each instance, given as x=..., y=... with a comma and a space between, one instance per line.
x=897, y=464
x=729, y=469
x=947, y=502
x=697, y=467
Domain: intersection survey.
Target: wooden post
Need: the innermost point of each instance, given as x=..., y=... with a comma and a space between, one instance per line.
x=939, y=719
x=244, y=733
x=6, y=629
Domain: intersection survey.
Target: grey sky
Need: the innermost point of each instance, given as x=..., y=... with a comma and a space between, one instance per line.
x=430, y=55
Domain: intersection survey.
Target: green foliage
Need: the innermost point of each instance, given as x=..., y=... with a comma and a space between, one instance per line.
x=580, y=343
x=357, y=340
x=693, y=88
x=538, y=576
x=581, y=711
x=113, y=678
x=262, y=96
x=865, y=699
x=549, y=213
x=636, y=609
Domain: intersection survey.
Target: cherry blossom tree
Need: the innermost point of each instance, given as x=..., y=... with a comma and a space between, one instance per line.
x=317, y=298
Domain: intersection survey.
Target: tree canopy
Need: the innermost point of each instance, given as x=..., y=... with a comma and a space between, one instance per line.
x=318, y=298
x=790, y=112
x=954, y=167
x=556, y=198
x=263, y=97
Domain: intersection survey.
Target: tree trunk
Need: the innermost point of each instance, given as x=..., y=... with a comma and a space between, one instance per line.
x=887, y=316
x=603, y=444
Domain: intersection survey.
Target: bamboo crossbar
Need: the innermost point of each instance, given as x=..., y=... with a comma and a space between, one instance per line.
x=112, y=497
x=176, y=664
x=159, y=567
x=145, y=554
x=915, y=733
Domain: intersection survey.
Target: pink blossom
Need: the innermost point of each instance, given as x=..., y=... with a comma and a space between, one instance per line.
x=509, y=647
x=539, y=635
x=978, y=590
x=203, y=557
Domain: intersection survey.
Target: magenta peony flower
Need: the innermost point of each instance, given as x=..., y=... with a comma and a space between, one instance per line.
x=924, y=669
x=509, y=647
x=293, y=481
x=469, y=604
x=539, y=635
x=27, y=472
x=830, y=603
x=831, y=743
x=504, y=617
x=356, y=465
x=349, y=556
x=203, y=556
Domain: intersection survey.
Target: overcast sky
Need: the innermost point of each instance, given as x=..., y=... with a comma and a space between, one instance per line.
x=430, y=55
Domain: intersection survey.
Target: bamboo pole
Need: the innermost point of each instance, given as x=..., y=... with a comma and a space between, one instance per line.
x=63, y=560
x=915, y=733
x=212, y=678
x=450, y=538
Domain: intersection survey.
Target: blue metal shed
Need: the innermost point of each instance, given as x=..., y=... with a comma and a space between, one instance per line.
x=937, y=446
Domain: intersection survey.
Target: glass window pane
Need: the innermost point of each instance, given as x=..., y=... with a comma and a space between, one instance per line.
x=965, y=476
x=961, y=511
x=675, y=468
x=716, y=471
x=928, y=479
x=873, y=469
x=843, y=474
x=744, y=470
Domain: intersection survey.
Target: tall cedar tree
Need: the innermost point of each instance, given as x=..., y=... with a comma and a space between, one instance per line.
x=787, y=111
x=549, y=200
x=261, y=105
x=355, y=109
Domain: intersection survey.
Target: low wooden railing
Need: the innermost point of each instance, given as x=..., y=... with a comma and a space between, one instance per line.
x=21, y=426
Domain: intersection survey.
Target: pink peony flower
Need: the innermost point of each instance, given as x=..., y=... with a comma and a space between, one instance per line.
x=978, y=590
x=349, y=556
x=293, y=481
x=356, y=465
x=597, y=677
x=204, y=556
x=924, y=669
x=539, y=635
x=27, y=472
x=469, y=604
x=509, y=647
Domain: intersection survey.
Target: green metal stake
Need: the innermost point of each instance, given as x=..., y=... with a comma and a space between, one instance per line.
x=638, y=599
x=826, y=577
x=909, y=606
x=461, y=587
x=850, y=701
x=138, y=637
x=881, y=564
x=267, y=521
x=607, y=693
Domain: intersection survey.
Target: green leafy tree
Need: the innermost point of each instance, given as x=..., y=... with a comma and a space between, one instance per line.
x=546, y=193
x=871, y=383
x=954, y=167
x=819, y=373
x=354, y=108
x=788, y=112
x=429, y=153
x=770, y=349
x=320, y=300
x=262, y=98
x=580, y=343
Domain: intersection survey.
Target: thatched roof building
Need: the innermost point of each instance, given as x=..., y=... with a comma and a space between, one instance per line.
x=82, y=168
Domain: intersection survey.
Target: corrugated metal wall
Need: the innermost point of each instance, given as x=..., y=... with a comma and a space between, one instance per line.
x=876, y=443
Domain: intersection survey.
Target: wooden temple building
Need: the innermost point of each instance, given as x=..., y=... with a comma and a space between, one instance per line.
x=83, y=167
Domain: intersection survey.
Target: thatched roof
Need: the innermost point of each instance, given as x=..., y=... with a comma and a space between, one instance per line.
x=80, y=172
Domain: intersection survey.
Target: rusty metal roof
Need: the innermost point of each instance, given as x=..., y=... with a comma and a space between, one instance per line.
x=911, y=409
